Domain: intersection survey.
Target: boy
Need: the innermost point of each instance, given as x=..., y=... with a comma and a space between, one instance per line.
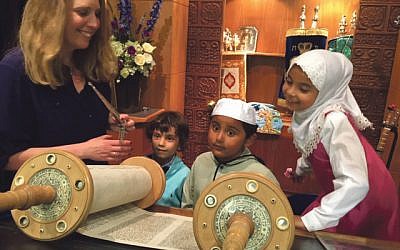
x=168, y=133
x=232, y=129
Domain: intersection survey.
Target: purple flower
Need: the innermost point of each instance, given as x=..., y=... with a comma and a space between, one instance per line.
x=121, y=27
x=125, y=20
x=154, y=14
x=120, y=64
x=114, y=25
x=123, y=36
x=131, y=50
x=145, y=34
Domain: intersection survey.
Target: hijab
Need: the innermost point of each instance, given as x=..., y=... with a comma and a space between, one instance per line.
x=330, y=72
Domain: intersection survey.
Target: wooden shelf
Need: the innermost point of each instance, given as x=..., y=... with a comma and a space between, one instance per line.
x=252, y=53
x=261, y=77
x=147, y=115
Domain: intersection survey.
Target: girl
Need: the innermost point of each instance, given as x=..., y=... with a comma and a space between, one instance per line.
x=359, y=196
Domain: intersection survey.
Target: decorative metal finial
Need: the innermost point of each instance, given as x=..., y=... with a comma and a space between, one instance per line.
x=303, y=16
x=342, y=25
x=353, y=21
x=315, y=19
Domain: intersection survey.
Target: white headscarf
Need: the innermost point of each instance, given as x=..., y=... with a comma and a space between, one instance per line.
x=330, y=72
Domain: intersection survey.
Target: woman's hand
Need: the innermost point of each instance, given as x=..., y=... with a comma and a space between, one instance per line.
x=104, y=148
x=289, y=173
x=126, y=120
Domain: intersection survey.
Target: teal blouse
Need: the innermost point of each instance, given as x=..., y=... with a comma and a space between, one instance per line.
x=175, y=177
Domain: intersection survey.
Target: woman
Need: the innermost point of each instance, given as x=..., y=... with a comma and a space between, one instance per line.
x=45, y=101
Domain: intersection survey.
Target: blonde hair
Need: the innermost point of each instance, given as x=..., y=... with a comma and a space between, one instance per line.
x=41, y=38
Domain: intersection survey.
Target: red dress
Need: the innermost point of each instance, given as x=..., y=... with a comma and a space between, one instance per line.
x=378, y=214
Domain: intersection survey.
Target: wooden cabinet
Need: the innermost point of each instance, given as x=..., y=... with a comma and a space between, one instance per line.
x=279, y=153
x=259, y=75
x=140, y=144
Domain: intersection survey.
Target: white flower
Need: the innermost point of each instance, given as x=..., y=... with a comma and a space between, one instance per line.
x=130, y=43
x=124, y=72
x=138, y=47
x=118, y=48
x=140, y=59
x=148, y=58
x=147, y=47
x=133, y=57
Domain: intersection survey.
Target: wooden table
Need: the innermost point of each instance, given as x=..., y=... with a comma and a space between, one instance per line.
x=11, y=238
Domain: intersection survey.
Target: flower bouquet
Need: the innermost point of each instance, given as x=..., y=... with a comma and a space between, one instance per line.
x=134, y=49
x=135, y=55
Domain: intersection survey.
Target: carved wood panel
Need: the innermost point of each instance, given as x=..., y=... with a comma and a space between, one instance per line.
x=202, y=70
x=373, y=55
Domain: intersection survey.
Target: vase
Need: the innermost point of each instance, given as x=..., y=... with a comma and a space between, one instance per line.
x=129, y=94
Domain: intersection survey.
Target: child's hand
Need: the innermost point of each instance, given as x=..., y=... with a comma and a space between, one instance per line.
x=289, y=173
x=126, y=120
x=298, y=223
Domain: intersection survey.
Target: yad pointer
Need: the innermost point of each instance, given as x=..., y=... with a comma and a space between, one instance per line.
x=113, y=111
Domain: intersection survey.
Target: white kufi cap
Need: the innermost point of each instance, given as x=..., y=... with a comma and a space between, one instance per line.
x=236, y=109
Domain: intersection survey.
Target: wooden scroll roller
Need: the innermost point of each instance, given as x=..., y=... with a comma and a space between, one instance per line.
x=243, y=211
x=53, y=193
